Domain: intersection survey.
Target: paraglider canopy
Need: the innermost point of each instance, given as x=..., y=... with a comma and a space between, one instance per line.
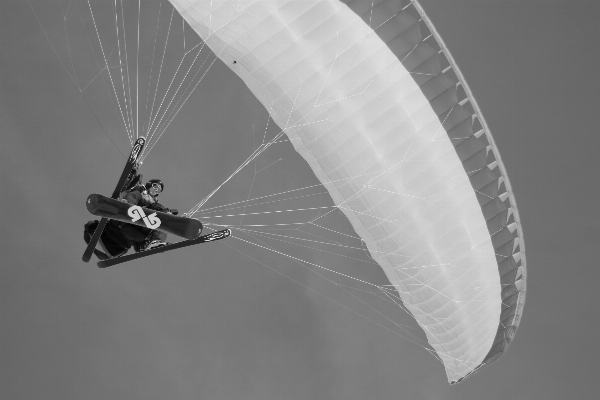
x=372, y=100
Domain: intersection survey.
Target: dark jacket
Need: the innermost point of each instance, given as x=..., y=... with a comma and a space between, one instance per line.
x=139, y=197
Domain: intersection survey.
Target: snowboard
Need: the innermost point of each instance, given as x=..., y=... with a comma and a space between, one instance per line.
x=106, y=207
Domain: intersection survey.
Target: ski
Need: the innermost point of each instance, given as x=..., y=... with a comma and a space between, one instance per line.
x=136, y=151
x=211, y=237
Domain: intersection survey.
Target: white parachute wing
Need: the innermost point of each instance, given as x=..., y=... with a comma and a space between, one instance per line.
x=370, y=97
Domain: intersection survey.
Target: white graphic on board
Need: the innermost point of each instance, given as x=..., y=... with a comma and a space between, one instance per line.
x=136, y=213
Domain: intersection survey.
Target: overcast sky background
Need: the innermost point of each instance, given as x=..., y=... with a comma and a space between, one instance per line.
x=230, y=320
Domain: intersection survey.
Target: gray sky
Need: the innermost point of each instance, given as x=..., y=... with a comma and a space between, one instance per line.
x=231, y=320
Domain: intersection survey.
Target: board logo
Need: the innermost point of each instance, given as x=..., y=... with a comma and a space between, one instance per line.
x=136, y=213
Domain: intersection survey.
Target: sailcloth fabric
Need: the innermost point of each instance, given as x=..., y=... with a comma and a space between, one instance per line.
x=369, y=96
